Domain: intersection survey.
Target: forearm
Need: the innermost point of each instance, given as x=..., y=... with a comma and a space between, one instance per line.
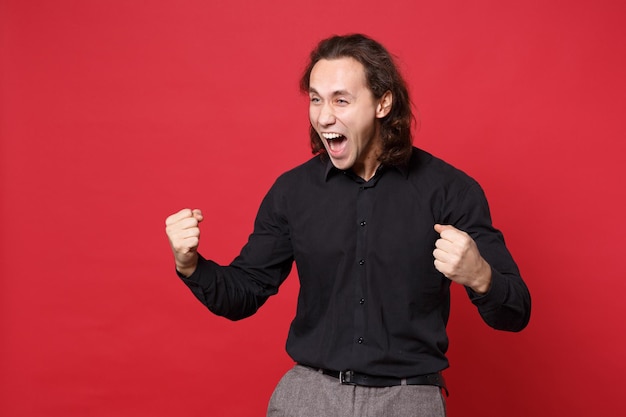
x=228, y=291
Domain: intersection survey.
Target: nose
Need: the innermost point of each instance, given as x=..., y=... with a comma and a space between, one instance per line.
x=326, y=116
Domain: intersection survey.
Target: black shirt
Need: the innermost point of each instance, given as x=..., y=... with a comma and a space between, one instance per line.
x=370, y=297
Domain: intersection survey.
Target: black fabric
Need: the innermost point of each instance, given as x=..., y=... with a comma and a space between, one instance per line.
x=370, y=297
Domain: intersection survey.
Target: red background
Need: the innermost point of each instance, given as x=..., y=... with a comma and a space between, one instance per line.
x=115, y=114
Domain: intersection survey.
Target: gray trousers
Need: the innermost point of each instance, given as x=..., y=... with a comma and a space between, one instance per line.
x=304, y=392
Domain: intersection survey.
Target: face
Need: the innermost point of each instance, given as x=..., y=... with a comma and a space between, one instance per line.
x=346, y=115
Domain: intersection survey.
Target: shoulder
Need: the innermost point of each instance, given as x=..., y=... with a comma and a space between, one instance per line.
x=313, y=169
x=458, y=198
x=444, y=183
x=425, y=167
x=297, y=180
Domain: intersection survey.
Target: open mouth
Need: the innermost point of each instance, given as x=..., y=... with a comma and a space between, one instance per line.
x=336, y=141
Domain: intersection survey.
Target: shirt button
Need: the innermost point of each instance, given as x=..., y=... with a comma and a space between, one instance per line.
x=362, y=301
x=359, y=340
x=363, y=223
x=362, y=262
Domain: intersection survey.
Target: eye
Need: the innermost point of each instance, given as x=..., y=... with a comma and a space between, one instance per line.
x=314, y=99
x=342, y=101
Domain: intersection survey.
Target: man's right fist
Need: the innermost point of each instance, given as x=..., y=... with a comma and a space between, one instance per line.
x=184, y=235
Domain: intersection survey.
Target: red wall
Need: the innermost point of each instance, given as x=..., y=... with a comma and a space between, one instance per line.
x=114, y=114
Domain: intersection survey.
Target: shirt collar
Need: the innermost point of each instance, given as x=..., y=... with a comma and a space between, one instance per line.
x=330, y=169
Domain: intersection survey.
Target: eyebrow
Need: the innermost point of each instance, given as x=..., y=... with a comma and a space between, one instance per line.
x=334, y=94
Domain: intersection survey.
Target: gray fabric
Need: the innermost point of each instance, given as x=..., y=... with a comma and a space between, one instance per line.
x=303, y=392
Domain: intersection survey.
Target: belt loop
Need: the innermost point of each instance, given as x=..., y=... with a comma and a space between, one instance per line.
x=403, y=381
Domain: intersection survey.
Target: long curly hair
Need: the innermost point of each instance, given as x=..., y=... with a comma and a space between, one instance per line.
x=382, y=75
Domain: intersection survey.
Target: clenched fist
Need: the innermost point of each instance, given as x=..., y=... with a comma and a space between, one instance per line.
x=184, y=235
x=457, y=257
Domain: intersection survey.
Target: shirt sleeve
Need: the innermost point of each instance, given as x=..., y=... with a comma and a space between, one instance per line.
x=507, y=304
x=238, y=290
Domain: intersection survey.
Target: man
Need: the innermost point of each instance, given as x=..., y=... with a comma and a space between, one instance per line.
x=378, y=230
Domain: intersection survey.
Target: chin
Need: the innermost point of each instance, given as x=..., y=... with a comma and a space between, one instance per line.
x=341, y=164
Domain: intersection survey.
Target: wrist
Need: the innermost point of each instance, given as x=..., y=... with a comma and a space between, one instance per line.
x=483, y=279
x=186, y=272
x=188, y=266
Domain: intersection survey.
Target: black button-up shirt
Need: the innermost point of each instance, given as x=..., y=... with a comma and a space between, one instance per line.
x=370, y=297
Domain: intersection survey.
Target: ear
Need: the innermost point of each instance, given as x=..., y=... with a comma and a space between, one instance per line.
x=384, y=105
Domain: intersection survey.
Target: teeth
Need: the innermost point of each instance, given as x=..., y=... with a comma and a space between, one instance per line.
x=331, y=136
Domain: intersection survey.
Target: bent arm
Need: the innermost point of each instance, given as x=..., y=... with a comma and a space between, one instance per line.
x=232, y=291
x=507, y=304
x=238, y=290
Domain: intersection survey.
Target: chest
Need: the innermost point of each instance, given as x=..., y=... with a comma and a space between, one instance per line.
x=391, y=219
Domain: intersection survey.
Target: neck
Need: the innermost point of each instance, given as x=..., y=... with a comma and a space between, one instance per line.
x=366, y=166
x=366, y=170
